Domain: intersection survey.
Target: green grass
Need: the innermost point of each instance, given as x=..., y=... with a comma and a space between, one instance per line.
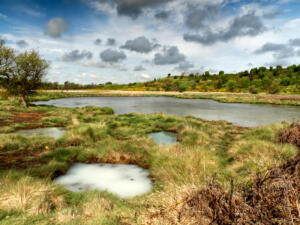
x=205, y=150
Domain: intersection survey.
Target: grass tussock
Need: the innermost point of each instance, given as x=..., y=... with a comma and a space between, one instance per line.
x=28, y=195
x=270, y=198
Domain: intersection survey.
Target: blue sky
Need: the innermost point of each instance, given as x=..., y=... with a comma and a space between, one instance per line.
x=96, y=41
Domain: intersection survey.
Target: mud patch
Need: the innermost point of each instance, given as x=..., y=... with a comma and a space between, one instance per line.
x=21, y=159
x=281, y=97
x=120, y=158
x=22, y=117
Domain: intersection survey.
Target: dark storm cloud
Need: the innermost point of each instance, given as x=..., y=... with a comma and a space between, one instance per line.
x=170, y=55
x=162, y=15
x=98, y=41
x=106, y=65
x=295, y=42
x=198, y=16
x=139, y=44
x=272, y=15
x=281, y=51
x=184, y=66
x=139, y=68
x=76, y=55
x=132, y=8
x=246, y=25
x=271, y=47
x=22, y=44
x=111, y=41
x=112, y=56
x=56, y=27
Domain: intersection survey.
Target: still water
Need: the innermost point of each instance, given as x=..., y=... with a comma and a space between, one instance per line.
x=163, y=137
x=55, y=132
x=123, y=180
x=239, y=114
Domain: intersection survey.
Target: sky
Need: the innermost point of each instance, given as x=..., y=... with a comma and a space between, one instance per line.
x=122, y=41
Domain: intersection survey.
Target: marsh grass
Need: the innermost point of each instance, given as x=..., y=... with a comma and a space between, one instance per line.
x=205, y=150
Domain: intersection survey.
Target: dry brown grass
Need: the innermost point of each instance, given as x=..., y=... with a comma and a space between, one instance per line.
x=272, y=197
x=27, y=194
x=291, y=135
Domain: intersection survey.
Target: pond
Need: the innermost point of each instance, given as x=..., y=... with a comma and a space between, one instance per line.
x=123, y=180
x=55, y=132
x=163, y=137
x=239, y=114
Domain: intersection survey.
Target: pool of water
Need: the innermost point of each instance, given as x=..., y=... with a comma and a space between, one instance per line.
x=55, y=132
x=239, y=114
x=123, y=180
x=164, y=138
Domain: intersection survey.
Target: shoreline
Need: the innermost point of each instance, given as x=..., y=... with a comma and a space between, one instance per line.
x=225, y=97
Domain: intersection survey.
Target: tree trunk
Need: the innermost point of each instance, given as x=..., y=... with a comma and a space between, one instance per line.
x=23, y=101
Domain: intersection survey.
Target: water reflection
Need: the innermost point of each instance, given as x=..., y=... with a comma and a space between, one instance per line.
x=239, y=114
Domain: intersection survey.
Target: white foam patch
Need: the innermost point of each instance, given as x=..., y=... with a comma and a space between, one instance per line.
x=123, y=180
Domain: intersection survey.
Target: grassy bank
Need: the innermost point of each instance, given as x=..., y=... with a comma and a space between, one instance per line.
x=205, y=150
x=221, y=97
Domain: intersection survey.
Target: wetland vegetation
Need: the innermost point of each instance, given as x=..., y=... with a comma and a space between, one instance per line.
x=228, y=154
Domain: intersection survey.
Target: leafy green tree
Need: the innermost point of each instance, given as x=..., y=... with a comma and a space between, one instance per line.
x=245, y=82
x=231, y=85
x=21, y=75
x=167, y=85
x=253, y=89
x=182, y=87
x=266, y=82
x=274, y=87
x=285, y=81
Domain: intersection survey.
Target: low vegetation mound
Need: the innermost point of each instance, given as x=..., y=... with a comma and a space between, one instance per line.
x=291, y=135
x=270, y=198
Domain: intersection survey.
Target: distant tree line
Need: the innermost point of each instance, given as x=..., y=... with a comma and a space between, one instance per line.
x=269, y=80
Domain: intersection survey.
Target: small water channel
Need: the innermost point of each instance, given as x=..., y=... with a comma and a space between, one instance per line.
x=55, y=132
x=123, y=180
x=249, y=115
x=163, y=137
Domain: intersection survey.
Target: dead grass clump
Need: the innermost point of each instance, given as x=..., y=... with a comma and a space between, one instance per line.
x=208, y=205
x=270, y=198
x=291, y=135
x=28, y=195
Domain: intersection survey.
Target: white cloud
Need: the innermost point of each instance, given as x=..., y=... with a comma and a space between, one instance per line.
x=234, y=55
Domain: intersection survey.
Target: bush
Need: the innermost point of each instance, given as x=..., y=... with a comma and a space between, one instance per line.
x=231, y=85
x=274, y=88
x=253, y=89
